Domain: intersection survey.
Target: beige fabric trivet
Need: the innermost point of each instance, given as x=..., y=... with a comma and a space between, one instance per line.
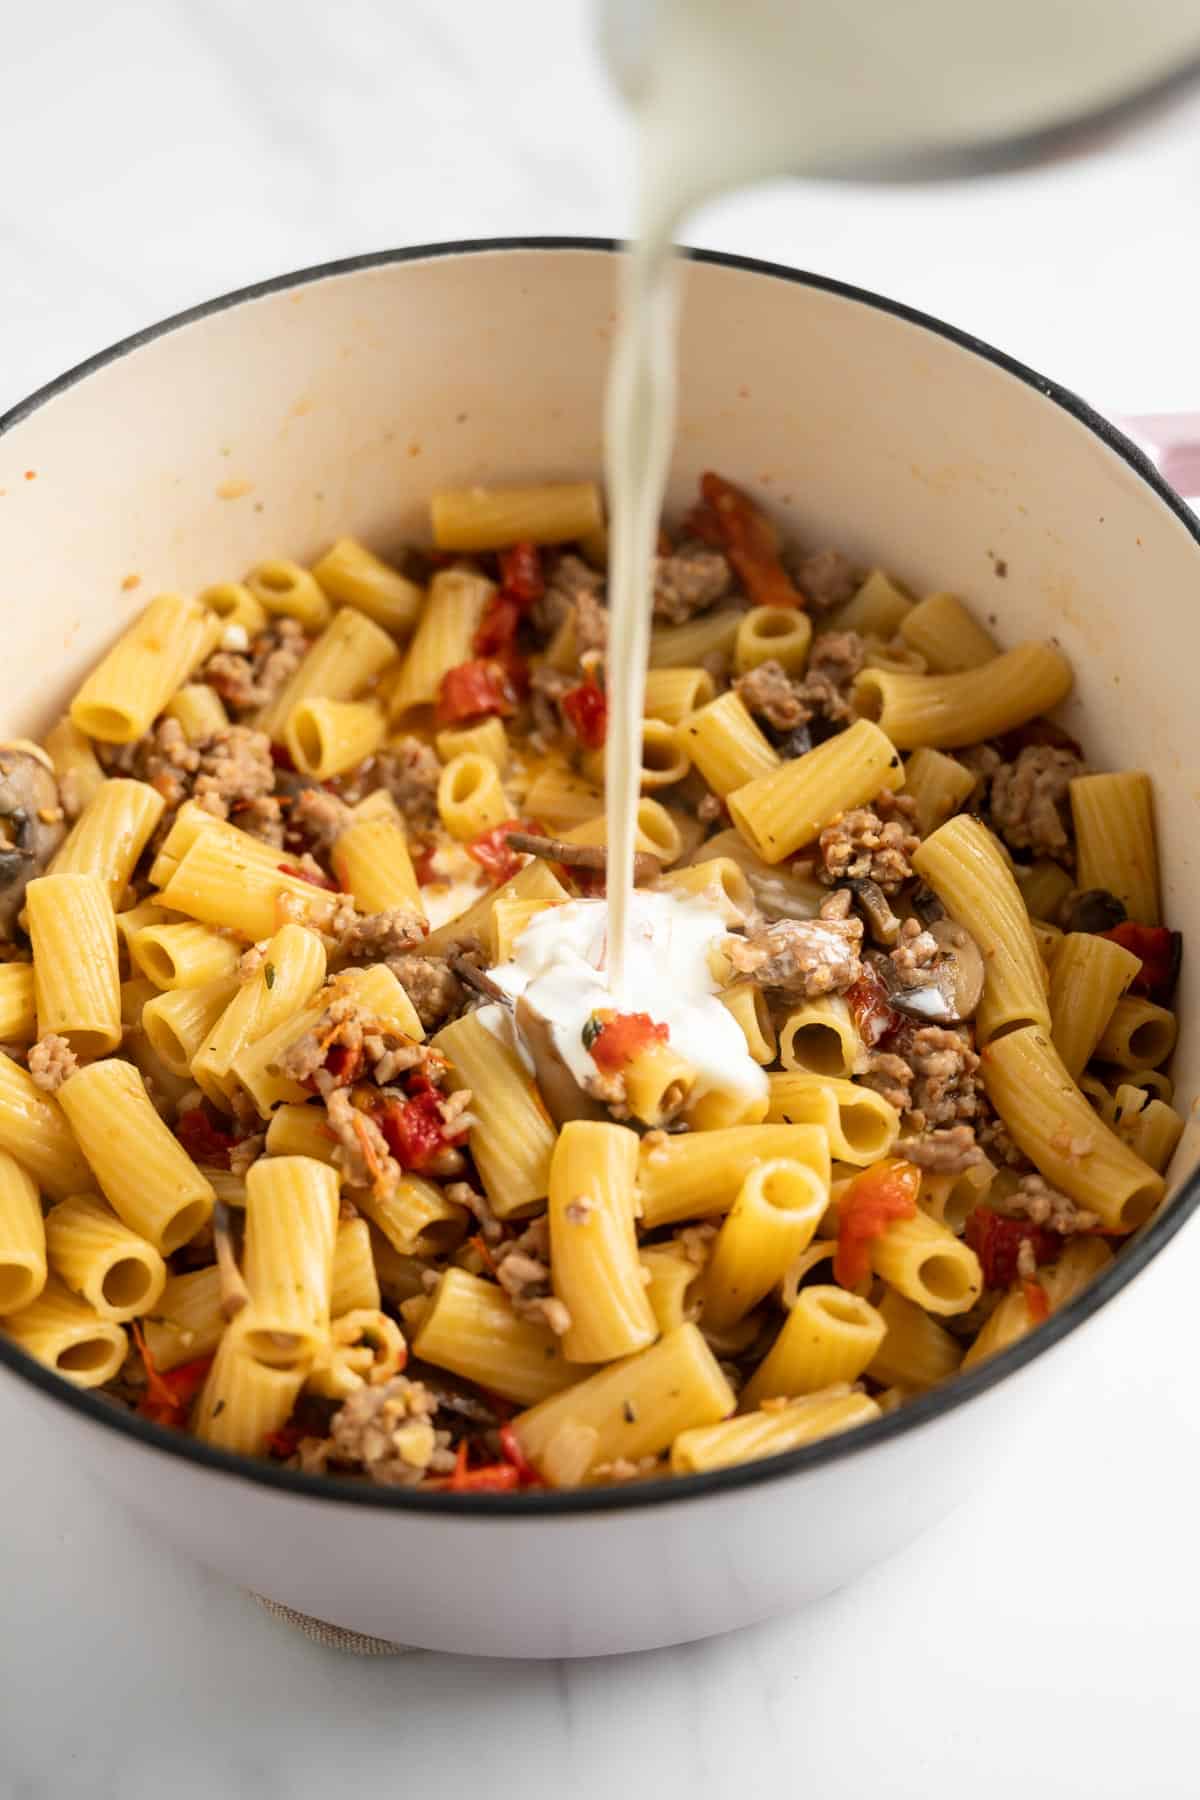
x=331, y=1637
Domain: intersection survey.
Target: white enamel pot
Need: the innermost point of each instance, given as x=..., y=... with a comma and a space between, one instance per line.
x=333, y=402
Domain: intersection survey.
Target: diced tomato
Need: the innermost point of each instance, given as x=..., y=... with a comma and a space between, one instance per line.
x=204, y=1140
x=491, y=1478
x=422, y=862
x=873, y=1016
x=168, y=1397
x=873, y=1201
x=473, y=690
x=586, y=710
x=498, y=627
x=344, y=1062
x=492, y=852
x=521, y=573
x=285, y=1442
x=1160, y=951
x=1037, y=1300
x=997, y=1242
x=513, y=1454
x=298, y=874
x=616, y=1039
x=281, y=756
x=415, y=1131
x=728, y=518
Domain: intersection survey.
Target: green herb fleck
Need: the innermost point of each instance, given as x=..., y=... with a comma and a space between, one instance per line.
x=218, y=1409
x=269, y=974
x=629, y=1411
x=591, y=1031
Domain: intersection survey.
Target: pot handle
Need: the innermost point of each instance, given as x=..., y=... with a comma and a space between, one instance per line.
x=1172, y=443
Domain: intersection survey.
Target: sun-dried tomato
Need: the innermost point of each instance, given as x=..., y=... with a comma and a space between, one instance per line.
x=997, y=1242
x=1160, y=951
x=204, y=1140
x=728, y=519
x=614, y=1040
x=521, y=573
x=477, y=689
x=586, y=710
x=873, y=1201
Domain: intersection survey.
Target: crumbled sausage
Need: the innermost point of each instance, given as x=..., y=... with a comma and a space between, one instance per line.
x=225, y=773
x=361, y=1153
x=689, y=581
x=522, y=1269
x=1030, y=800
x=915, y=954
x=246, y=682
x=770, y=693
x=319, y=818
x=51, y=1062
x=388, y=1432
x=950, y=1150
x=591, y=624
x=801, y=957
x=867, y=844
x=1036, y=1200
x=376, y=937
x=888, y=1075
x=826, y=578
x=431, y=984
x=410, y=771
x=571, y=580
x=946, y=1085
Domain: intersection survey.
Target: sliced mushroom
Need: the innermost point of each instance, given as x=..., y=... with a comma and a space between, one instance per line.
x=951, y=993
x=1095, y=909
x=563, y=1097
x=31, y=824
x=927, y=906
x=872, y=903
x=579, y=856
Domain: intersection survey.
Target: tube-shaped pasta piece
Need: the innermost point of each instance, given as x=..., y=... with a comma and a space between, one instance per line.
x=1044, y=886
x=327, y=737
x=291, y=971
x=286, y=590
x=536, y=881
x=755, y=1435
x=726, y=745
x=67, y=1335
x=130, y=686
x=220, y=885
x=492, y=518
x=947, y=635
x=18, y=1008
x=698, y=1173
x=948, y=711
x=22, y=1238
x=191, y=823
x=664, y=759
x=593, y=1243
x=951, y=1198
x=658, y=1084
x=1078, y=1263
x=1010, y=1319
x=233, y=602
x=722, y=1108
x=1151, y=1128
x=415, y=1217
x=351, y=653
x=894, y=657
x=444, y=637
x=917, y=1352
x=487, y=738
x=117, y=1272
x=355, y=1284
x=561, y=799
x=184, y=955
x=363, y=1346
x=76, y=765
x=75, y=968
x=34, y=1130
x=779, y=634
x=926, y=1262
x=859, y=1123
x=179, y=1021
x=299, y=1130
x=878, y=609
x=719, y=880
x=657, y=832
x=110, y=834
x=508, y=920
x=1152, y=1081
x=1098, y=1097
x=780, y=892
x=1138, y=1034
x=143, y=1171
x=636, y=1407
x=244, y=1400
x=256, y=1069
x=748, y=1004
x=1088, y=975
x=1050, y=1120
x=970, y=874
x=774, y=1217
x=470, y=797
x=1115, y=839
x=198, y=710
x=820, y=1038
x=684, y=646
x=828, y=1336
x=471, y=1329
x=673, y=1287
x=671, y=694
x=291, y=1224
x=782, y=810
x=351, y=573
x=937, y=785
x=187, y=1320
x=513, y=1139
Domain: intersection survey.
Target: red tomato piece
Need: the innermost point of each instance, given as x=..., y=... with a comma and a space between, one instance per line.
x=586, y=710
x=727, y=517
x=168, y=1397
x=521, y=573
x=1160, y=951
x=286, y=1441
x=415, y=1131
x=473, y=690
x=317, y=881
x=513, y=1454
x=498, y=627
x=617, y=1038
x=204, y=1141
x=873, y=1201
x=1037, y=1300
x=281, y=757
x=344, y=1063
x=492, y=852
x=997, y=1242
x=867, y=999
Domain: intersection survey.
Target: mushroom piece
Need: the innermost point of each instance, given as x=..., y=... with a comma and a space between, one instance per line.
x=872, y=903
x=954, y=987
x=31, y=823
x=562, y=1095
x=1095, y=909
x=927, y=906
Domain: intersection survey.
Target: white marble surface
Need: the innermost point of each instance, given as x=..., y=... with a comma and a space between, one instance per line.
x=159, y=151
